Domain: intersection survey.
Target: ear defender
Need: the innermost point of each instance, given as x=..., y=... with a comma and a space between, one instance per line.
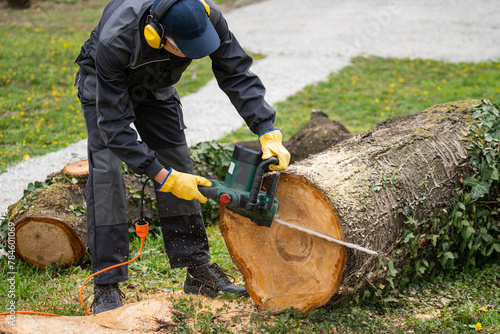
x=153, y=32
x=207, y=7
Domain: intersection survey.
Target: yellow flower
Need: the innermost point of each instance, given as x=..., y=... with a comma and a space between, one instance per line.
x=26, y=156
x=483, y=309
x=478, y=326
x=387, y=108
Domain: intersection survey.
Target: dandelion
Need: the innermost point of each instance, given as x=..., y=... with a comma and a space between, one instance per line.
x=478, y=326
x=438, y=88
x=26, y=157
x=387, y=108
x=392, y=85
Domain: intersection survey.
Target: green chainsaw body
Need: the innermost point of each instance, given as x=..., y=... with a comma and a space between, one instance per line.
x=241, y=190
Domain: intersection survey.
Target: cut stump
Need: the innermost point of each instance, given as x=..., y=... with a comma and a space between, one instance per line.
x=46, y=240
x=283, y=268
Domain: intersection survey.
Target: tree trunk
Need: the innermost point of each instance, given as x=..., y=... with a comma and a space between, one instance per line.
x=148, y=316
x=50, y=221
x=359, y=189
x=19, y=4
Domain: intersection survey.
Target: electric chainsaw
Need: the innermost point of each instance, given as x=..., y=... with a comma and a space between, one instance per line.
x=241, y=192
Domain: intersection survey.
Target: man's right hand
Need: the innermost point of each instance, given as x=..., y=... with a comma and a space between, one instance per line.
x=183, y=185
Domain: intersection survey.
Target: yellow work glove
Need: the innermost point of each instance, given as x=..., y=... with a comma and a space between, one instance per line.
x=184, y=185
x=273, y=147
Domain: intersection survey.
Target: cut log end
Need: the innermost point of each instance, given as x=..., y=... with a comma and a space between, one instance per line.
x=77, y=168
x=284, y=267
x=46, y=240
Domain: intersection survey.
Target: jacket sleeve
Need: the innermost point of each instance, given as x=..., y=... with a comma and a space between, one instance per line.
x=115, y=114
x=231, y=67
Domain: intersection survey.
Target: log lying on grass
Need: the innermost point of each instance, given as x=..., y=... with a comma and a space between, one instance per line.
x=50, y=222
x=149, y=316
x=356, y=191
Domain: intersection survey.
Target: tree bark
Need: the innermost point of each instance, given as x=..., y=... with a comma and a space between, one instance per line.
x=360, y=189
x=50, y=223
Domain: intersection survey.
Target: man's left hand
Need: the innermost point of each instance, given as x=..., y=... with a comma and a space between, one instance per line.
x=272, y=146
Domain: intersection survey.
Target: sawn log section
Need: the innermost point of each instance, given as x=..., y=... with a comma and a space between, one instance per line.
x=356, y=191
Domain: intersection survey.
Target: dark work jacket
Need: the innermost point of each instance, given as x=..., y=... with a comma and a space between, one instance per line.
x=127, y=68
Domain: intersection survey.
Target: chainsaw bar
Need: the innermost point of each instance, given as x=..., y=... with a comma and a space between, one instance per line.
x=324, y=236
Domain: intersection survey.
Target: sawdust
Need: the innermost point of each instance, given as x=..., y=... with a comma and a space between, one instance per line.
x=233, y=313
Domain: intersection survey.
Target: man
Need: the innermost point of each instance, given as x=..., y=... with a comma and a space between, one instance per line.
x=128, y=69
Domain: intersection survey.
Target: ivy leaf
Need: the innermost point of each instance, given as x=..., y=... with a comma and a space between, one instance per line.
x=478, y=188
x=494, y=174
x=408, y=237
x=449, y=255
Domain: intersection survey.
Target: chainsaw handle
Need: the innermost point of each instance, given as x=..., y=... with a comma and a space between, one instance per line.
x=210, y=192
x=257, y=180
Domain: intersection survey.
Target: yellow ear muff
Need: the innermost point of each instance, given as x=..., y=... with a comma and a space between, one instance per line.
x=207, y=7
x=153, y=36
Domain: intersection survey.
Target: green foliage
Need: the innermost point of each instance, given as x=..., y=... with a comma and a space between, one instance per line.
x=468, y=232
x=211, y=159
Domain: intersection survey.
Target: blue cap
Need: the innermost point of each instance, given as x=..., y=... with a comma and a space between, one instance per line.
x=188, y=24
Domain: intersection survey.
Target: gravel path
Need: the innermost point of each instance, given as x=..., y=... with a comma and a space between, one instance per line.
x=303, y=42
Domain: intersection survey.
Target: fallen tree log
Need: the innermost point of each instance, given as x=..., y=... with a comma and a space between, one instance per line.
x=148, y=316
x=50, y=219
x=356, y=191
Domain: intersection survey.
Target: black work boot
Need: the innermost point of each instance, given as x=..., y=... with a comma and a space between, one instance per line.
x=106, y=297
x=209, y=280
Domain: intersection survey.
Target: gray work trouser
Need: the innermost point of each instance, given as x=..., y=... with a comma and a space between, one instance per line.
x=160, y=126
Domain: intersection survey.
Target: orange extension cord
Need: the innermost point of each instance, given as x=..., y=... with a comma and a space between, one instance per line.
x=141, y=230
